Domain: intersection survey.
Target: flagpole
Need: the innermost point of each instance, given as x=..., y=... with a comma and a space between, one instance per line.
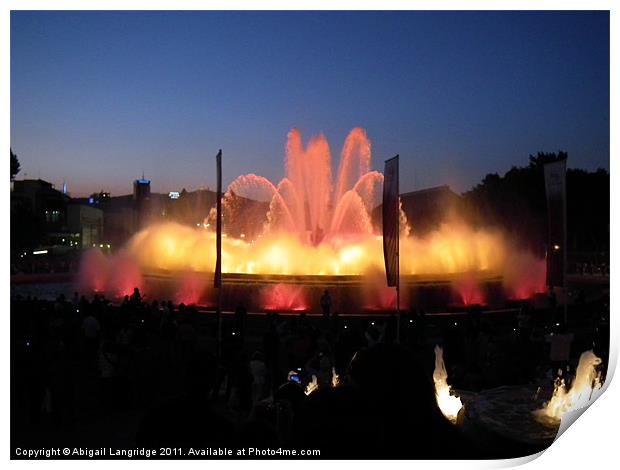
x=557, y=249
x=217, y=281
x=565, y=248
x=398, y=319
x=398, y=322
x=391, y=232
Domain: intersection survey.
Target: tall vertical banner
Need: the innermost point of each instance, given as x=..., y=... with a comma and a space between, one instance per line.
x=391, y=221
x=555, y=187
x=217, y=280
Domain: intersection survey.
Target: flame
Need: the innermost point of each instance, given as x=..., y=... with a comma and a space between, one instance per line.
x=448, y=404
x=585, y=388
x=312, y=386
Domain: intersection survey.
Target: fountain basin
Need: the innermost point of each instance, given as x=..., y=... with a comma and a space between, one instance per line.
x=502, y=420
x=279, y=292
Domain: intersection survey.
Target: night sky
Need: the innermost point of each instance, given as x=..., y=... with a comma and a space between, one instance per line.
x=99, y=97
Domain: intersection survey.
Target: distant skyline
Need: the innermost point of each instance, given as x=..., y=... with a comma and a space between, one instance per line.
x=98, y=98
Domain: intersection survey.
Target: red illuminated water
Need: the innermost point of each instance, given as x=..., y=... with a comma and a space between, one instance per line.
x=313, y=224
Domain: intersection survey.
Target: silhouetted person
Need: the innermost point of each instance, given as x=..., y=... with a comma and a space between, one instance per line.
x=560, y=344
x=349, y=341
x=524, y=323
x=326, y=303
x=186, y=335
x=260, y=379
x=241, y=379
x=333, y=329
x=271, y=346
x=109, y=362
x=402, y=406
x=387, y=409
x=240, y=319
x=136, y=298
x=553, y=303
x=91, y=330
x=419, y=326
x=188, y=419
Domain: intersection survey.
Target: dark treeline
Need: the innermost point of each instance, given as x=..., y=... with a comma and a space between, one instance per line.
x=516, y=202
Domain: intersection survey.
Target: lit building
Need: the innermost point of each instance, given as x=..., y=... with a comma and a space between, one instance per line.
x=38, y=214
x=142, y=200
x=46, y=203
x=87, y=222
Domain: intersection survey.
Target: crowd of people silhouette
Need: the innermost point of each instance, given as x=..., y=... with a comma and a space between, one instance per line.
x=147, y=373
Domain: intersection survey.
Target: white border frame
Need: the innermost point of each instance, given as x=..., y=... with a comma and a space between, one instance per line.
x=592, y=442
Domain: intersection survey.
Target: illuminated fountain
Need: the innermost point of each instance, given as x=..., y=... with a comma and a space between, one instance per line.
x=316, y=230
x=312, y=385
x=519, y=420
x=448, y=402
x=585, y=389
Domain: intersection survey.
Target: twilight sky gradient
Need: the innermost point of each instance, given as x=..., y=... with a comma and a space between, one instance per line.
x=99, y=97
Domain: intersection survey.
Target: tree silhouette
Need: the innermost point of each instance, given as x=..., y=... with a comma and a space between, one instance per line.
x=15, y=167
x=516, y=202
x=542, y=158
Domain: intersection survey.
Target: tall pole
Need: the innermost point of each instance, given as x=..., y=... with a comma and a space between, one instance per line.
x=555, y=188
x=398, y=322
x=391, y=231
x=217, y=281
x=398, y=319
x=564, y=251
